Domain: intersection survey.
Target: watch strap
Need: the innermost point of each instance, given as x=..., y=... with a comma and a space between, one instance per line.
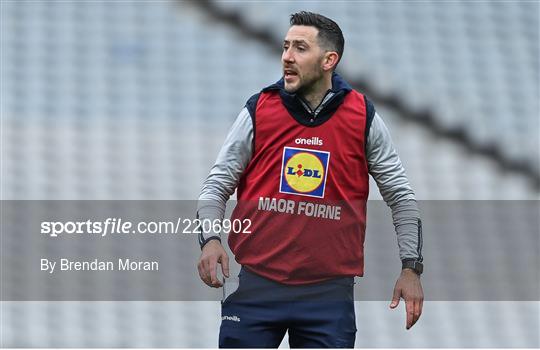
x=413, y=264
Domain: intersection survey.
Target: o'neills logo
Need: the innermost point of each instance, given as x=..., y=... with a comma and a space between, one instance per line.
x=312, y=141
x=231, y=318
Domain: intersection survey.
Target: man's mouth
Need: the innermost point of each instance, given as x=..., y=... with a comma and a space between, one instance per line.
x=289, y=73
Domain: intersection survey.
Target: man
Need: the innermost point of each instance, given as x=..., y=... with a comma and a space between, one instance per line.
x=300, y=154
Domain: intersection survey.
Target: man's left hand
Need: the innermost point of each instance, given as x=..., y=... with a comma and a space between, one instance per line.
x=409, y=287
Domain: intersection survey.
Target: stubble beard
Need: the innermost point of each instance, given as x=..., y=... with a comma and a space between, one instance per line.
x=305, y=85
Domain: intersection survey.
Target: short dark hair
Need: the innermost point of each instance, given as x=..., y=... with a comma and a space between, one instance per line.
x=330, y=36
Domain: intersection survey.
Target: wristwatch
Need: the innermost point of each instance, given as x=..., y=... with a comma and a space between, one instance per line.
x=413, y=264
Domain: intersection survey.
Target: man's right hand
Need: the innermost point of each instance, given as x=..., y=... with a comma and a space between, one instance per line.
x=212, y=254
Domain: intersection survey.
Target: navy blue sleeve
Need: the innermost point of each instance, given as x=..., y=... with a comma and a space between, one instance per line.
x=370, y=114
x=251, y=106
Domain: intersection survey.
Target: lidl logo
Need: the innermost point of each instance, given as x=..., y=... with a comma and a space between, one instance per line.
x=303, y=171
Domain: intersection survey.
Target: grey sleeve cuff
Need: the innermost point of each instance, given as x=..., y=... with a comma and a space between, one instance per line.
x=406, y=218
x=226, y=172
x=388, y=172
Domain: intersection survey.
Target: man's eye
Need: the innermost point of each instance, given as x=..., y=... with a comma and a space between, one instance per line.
x=300, y=48
x=285, y=47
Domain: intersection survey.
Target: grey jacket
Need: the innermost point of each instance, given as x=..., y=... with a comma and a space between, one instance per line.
x=383, y=163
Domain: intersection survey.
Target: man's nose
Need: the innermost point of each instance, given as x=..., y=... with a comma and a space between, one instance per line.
x=287, y=56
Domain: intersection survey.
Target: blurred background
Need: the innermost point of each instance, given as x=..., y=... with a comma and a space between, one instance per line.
x=132, y=100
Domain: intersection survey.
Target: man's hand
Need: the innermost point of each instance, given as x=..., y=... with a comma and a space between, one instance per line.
x=409, y=287
x=212, y=254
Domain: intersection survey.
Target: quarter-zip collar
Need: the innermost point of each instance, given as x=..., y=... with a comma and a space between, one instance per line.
x=299, y=108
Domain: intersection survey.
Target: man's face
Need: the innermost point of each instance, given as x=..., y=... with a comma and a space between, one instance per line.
x=302, y=59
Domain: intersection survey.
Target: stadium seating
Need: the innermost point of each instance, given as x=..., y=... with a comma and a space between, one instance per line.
x=132, y=100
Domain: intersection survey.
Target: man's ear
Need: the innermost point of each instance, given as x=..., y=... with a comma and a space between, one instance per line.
x=330, y=60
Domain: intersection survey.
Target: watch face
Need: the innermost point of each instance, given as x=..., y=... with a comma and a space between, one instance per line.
x=418, y=267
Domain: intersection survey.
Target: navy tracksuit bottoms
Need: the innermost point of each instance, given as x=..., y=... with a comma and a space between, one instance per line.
x=260, y=311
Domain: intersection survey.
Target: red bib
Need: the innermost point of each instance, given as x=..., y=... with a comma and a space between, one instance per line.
x=305, y=192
